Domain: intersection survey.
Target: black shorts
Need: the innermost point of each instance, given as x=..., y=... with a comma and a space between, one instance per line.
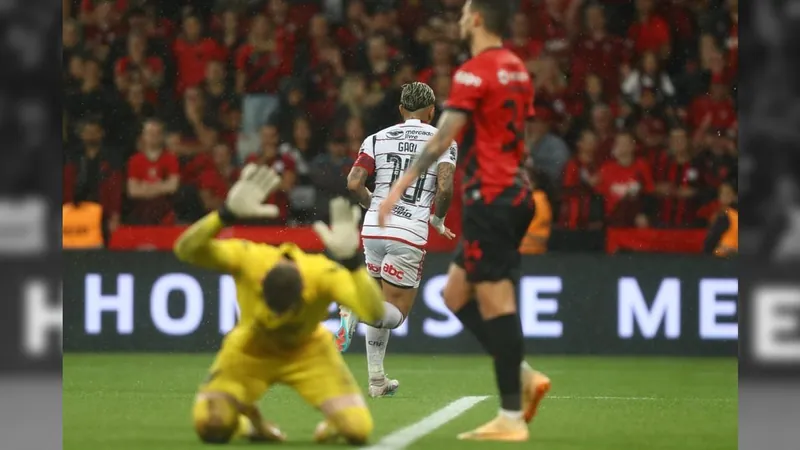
x=491, y=236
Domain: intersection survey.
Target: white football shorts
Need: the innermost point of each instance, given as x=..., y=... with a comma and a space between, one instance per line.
x=394, y=262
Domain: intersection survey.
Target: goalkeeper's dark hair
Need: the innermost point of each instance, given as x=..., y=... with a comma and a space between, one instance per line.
x=496, y=15
x=282, y=288
x=416, y=96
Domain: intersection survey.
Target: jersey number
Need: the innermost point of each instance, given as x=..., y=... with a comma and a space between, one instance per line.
x=518, y=134
x=400, y=165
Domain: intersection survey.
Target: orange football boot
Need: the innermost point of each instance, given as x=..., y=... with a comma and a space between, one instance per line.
x=501, y=429
x=535, y=386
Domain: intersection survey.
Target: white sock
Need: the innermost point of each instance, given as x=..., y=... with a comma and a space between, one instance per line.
x=392, y=317
x=377, y=339
x=515, y=415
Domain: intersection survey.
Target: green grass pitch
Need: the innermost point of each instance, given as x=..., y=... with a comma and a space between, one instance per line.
x=142, y=402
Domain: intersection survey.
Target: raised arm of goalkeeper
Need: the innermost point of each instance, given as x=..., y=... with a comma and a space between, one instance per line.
x=352, y=287
x=198, y=244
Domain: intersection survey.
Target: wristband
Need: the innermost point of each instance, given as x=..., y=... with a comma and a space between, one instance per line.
x=352, y=263
x=225, y=215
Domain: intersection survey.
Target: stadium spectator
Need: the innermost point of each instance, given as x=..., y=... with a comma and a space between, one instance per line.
x=552, y=88
x=625, y=183
x=91, y=98
x=193, y=52
x=260, y=65
x=230, y=34
x=715, y=110
x=92, y=11
x=352, y=31
x=581, y=176
x=650, y=32
x=354, y=99
x=547, y=149
x=269, y=154
x=71, y=45
x=300, y=148
x=325, y=78
x=554, y=24
x=592, y=94
x=598, y=51
x=101, y=28
x=648, y=75
x=215, y=181
x=130, y=115
x=718, y=159
x=677, y=178
x=193, y=127
x=138, y=67
x=521, y=42
x=153, y=179
x=327, y=172
x=604, y=128
x=217, y=92
x=441, y=62
x=97, y=169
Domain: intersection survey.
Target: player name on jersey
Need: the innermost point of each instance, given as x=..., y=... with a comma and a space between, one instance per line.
x=388, y=153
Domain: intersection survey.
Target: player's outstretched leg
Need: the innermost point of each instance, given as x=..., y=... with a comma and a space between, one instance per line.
x=218, y=418
x=399, y=295
x=380, y=385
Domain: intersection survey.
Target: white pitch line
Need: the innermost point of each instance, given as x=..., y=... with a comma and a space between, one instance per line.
x=634, y=399
x=406, y=436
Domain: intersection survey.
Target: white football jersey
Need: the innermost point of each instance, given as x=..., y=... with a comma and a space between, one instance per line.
x=393, y=150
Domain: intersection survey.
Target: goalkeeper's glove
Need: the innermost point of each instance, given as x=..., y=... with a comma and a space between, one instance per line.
x=246, y=197
x=341, y=239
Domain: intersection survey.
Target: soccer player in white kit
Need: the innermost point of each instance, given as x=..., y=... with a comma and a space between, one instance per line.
x=395, y=254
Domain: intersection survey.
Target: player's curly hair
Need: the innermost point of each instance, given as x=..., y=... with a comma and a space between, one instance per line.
x=416, y=96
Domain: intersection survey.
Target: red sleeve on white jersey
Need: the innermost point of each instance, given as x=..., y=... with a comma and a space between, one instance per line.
x=366, y=155
x=467, y=88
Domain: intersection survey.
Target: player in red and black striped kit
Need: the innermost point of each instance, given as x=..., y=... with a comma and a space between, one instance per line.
x=490, y=100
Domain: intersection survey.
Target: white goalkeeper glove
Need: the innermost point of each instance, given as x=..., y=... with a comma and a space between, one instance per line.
x=246, y=197
x=342, y=237
x=438, y=224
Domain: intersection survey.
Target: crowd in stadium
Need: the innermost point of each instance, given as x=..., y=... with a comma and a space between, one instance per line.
x=164, y=101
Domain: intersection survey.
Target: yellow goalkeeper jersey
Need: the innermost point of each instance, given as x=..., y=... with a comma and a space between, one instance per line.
x=324, y=282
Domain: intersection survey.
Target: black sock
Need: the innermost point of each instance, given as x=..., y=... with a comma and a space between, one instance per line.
x=470, y=317
x=506, y=345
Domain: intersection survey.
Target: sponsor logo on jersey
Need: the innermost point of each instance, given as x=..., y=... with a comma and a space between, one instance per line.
x=373, y=268
x=402, y=211
x=467, y=78
x=505, y=77
x=392, y=271
x=395, y=134
x=414, y=134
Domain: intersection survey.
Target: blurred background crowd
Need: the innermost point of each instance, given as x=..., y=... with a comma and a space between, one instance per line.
x=164, y=101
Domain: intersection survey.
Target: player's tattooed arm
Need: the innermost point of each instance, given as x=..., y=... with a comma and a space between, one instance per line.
x=449, y=125
x=356, y=184
x=444, y=189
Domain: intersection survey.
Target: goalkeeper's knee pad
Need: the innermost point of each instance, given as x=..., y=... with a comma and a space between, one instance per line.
x=353, y=423
x=216, y=418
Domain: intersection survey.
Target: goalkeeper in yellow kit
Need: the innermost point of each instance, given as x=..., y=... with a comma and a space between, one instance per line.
x=283, y=295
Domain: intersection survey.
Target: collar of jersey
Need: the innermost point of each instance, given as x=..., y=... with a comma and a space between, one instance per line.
x=413, y=121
